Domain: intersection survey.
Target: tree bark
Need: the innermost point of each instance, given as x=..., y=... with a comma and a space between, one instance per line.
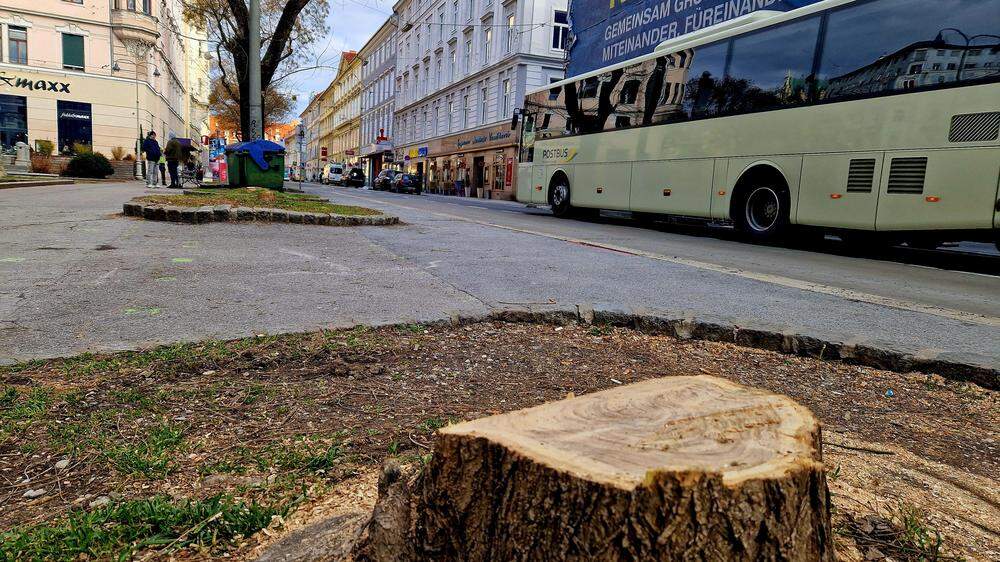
x=681, y=468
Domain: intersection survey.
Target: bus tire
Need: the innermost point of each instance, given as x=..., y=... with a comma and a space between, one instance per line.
x=559, y=197
x=762, y=210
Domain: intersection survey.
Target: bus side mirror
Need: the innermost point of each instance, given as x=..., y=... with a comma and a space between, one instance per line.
x=513, y=122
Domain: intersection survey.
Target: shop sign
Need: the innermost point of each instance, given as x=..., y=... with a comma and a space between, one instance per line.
x=422, y=151
x=74, y=115
x=479, y=139
x=388, y=157
x=509, y=174
x=349, y=152
x=42, y=85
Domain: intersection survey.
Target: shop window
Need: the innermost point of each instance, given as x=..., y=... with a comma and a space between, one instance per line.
x=13, y=120
x=75, y=124
x=17, y=44
x=72, y=46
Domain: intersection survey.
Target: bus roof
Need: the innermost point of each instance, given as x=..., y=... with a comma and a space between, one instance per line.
x=750, y=22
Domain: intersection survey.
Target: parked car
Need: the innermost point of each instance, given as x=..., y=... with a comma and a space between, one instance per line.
x=355, y=178
x=383, y=181
x=333, y=174
x=409, y=183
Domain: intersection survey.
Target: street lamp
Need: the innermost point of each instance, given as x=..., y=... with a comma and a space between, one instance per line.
x=302, y=164
x=939, y=40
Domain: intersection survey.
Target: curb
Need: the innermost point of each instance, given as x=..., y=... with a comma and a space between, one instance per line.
x=228, y=213
x=36, y=183
x=953, y=366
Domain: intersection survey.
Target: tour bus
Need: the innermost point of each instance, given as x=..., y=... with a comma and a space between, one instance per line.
x=872, y=119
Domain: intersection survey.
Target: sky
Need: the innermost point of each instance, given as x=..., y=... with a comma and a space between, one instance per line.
x=349, y=25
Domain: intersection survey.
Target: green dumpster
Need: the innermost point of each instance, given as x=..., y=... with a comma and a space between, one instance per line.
x=259, y=163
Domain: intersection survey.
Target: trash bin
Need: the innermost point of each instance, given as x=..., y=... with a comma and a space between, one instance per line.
x=259, y=163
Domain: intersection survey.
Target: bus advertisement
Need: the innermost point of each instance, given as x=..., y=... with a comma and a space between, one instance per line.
x=874, y=119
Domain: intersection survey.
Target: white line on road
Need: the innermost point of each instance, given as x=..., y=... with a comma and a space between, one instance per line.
x=783, y=281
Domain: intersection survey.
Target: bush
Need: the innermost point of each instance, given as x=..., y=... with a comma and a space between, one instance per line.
x=90, y=165
x=82, y=148
x=45, y=147
x=41, y=163
x=118, y=152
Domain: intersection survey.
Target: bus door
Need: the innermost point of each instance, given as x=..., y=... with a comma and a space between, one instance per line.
x=840, y=190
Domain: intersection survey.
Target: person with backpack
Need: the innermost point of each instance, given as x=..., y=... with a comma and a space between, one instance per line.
x=174, y=153
x=152, y=150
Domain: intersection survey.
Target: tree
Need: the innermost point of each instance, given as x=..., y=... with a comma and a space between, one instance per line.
x=226, y=108
x=287, y=30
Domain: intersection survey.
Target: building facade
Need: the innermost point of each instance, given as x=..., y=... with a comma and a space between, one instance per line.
x=295, y=145
x=463, y=67
x=347, y=110
x=312, y=163
x=100, y=73
x=378, y=86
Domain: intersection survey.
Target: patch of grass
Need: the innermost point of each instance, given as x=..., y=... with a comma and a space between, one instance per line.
x=152, y=457
x=132, y=396
x=901, y=534
x=257, y=198
x=601, y=330
x=120, y=530
x=431, y=425
x=16, y=405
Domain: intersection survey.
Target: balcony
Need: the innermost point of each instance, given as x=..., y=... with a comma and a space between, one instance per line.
x=132, y=26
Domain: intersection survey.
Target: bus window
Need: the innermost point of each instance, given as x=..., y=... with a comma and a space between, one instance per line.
x=772, y=68
x=527, y=137
x=708, y=63
x=870, y=48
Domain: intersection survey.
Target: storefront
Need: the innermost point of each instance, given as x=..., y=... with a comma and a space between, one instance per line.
x=474, y=164
x=69, y=108
x=375, y=157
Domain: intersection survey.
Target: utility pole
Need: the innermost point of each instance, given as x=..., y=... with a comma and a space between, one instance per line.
x=253, y=58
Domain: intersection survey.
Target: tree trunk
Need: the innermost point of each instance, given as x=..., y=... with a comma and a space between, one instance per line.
x=680, y=468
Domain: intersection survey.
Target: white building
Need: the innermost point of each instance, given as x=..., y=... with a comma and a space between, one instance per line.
x=378, y=82
x=462, y=68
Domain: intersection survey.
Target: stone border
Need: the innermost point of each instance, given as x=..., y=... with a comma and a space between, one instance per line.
x=228, y=213
x=954, y=366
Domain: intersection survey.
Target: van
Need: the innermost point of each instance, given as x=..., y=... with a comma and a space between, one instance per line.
x=333, y=174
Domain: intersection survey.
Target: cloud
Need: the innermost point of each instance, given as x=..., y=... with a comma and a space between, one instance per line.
x=349, y=26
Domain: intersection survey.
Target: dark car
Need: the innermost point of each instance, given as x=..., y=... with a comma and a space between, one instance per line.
x=383, y=181
x=355, y=178
x=409, y=183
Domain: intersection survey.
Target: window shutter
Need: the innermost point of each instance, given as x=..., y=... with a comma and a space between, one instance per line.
x=72, y=51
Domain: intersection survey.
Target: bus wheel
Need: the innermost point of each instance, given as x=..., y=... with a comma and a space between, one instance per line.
x=559, y=198
x=764, y=212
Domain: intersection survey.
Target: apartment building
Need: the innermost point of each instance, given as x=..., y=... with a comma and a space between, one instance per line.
x=462, y=69
x=347, y=110
x=100, y=73
x=378, y=87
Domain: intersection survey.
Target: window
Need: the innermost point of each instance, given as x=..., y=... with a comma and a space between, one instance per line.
x=468, y=55
x=465, y=111
x=451, y=113
x=560, y=29
x=454, y=19
x=472, y=9
x=860, y=35
x=936, y=66
x=72, y=47
x=975, y=52
x=505, y=100
x=482, y=106
x=441, y=24
x=17, y=44
x=510, y=34
x=915, y=68
x=772, y=68
x=451, y=67
x=13, y=120
x=74, y=123
x=630, y=91
x=487, y=42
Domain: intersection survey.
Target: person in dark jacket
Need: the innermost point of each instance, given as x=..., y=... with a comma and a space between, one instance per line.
x=152, y=150
x=174, y=153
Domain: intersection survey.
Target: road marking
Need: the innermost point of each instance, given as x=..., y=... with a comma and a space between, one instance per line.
x=773, y=279
x=182, y=260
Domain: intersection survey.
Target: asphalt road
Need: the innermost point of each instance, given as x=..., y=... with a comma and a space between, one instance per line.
x=75, y=277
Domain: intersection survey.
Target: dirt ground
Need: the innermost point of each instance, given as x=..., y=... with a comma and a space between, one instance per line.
x=305, y=421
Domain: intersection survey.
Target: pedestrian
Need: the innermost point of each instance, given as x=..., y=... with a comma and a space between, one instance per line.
x=174, y=153
x=163, y=169
x=152, y=150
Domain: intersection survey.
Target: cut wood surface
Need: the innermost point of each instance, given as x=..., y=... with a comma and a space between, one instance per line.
x=679, y=468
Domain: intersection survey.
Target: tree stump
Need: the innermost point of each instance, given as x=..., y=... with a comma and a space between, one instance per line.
x=679, y=468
